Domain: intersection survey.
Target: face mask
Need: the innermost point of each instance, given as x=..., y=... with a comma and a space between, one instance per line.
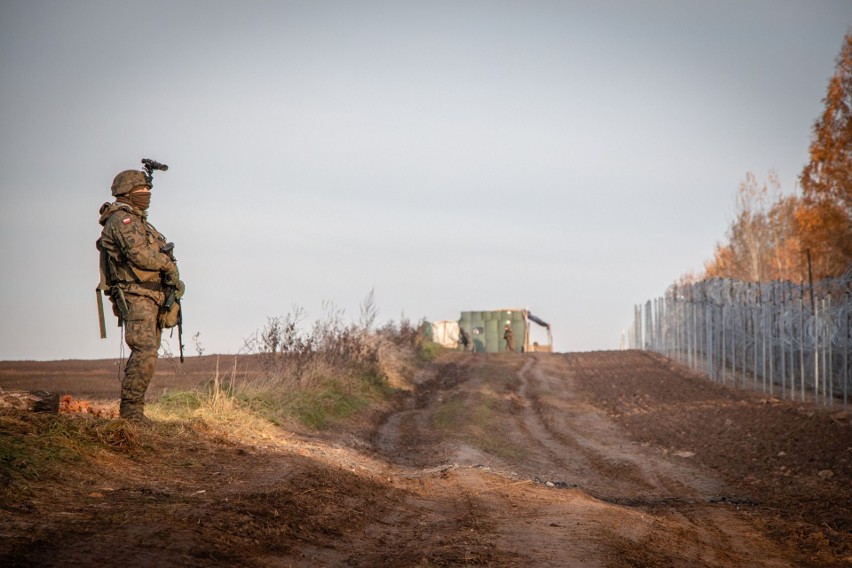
x=141, y=200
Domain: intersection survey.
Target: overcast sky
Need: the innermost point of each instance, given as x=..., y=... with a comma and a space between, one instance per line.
x=574, y=158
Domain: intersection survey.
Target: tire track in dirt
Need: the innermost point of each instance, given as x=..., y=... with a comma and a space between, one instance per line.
x=606, y=466
x=602, y=460
x=630, y=506
x=683, y=499
x=406, y=436
x=550, y=456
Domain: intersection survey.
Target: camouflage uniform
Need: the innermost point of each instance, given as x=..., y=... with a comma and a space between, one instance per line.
x=509, y=336
x=135, y=270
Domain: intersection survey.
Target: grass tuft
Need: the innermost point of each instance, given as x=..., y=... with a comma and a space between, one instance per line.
x=429, y=351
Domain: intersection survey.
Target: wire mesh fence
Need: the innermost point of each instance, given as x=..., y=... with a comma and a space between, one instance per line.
x=790, y=340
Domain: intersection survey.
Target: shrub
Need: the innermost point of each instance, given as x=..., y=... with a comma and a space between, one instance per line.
x=317, y=374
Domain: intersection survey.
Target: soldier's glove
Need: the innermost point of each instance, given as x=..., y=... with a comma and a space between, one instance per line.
x=180, y=289
x=172, y=277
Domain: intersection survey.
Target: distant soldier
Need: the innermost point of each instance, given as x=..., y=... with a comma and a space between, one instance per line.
x=509, y=336
x=464, y=339
x=136, y=275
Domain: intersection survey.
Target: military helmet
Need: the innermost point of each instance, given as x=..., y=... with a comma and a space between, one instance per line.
x=128, y=180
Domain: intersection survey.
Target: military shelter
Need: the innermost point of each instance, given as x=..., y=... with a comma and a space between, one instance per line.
x=486, y=330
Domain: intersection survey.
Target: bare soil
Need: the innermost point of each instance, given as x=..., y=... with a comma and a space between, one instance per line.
x=610, y=459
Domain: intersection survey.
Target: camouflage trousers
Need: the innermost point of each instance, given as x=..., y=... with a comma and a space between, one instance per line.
x=142, y=336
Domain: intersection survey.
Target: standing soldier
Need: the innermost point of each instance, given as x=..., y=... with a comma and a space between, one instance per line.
x=464, y=339
x=509, y=336
x=137, y=276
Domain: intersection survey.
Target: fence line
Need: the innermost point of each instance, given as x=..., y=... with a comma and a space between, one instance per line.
x=790, y=340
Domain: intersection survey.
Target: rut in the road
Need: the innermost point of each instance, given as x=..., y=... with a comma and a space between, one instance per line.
x=595, y=454
x=505, y=433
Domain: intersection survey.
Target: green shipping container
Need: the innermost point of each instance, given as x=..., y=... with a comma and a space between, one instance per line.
x=492, y=345
x=519, y=328
x=486, y=329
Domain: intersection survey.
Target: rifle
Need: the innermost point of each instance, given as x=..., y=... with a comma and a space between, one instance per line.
x=114, y=293
x=171, y=298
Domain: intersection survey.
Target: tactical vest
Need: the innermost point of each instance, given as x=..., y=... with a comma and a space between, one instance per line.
x=117, y=272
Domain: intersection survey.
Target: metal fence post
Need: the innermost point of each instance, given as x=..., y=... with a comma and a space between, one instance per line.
x=792, y=343
x=726, y=340
x=754, y=309
x=732, y=314
x=816, y=351
x=846, y=341
x=771, y=326
x=763, y=337
x=802, y=340
x=708, y=338
x=829, y=339
x=782, y=328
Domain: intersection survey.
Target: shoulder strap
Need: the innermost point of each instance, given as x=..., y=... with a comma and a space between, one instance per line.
x=108, y=209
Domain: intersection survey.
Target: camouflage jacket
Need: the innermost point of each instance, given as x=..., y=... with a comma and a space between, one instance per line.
x=130, y=252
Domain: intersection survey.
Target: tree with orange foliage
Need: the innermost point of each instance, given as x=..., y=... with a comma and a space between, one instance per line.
x=787, y=261
x=825, y=218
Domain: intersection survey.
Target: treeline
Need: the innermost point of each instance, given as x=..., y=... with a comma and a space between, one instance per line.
x=781, y=237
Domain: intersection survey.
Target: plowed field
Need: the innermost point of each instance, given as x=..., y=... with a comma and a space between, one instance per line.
x=608, y=459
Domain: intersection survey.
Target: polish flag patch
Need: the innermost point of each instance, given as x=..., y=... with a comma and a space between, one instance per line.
x=126, y=220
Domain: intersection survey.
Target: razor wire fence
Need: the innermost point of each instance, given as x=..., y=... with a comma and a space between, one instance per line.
x=790, y=340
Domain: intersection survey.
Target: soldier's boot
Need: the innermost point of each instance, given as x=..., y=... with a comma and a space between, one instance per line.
x=142, y=420
x=134, y=413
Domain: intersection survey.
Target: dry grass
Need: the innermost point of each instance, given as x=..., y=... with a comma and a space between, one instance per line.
x=329, y=378
x=36, y=450
x=337, y=378
x=318, y=378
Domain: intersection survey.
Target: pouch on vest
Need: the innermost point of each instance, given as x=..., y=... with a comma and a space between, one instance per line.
x=169, y=317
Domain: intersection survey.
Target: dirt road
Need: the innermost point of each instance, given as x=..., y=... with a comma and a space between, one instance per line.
x=608, y=459
x=567, y=486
